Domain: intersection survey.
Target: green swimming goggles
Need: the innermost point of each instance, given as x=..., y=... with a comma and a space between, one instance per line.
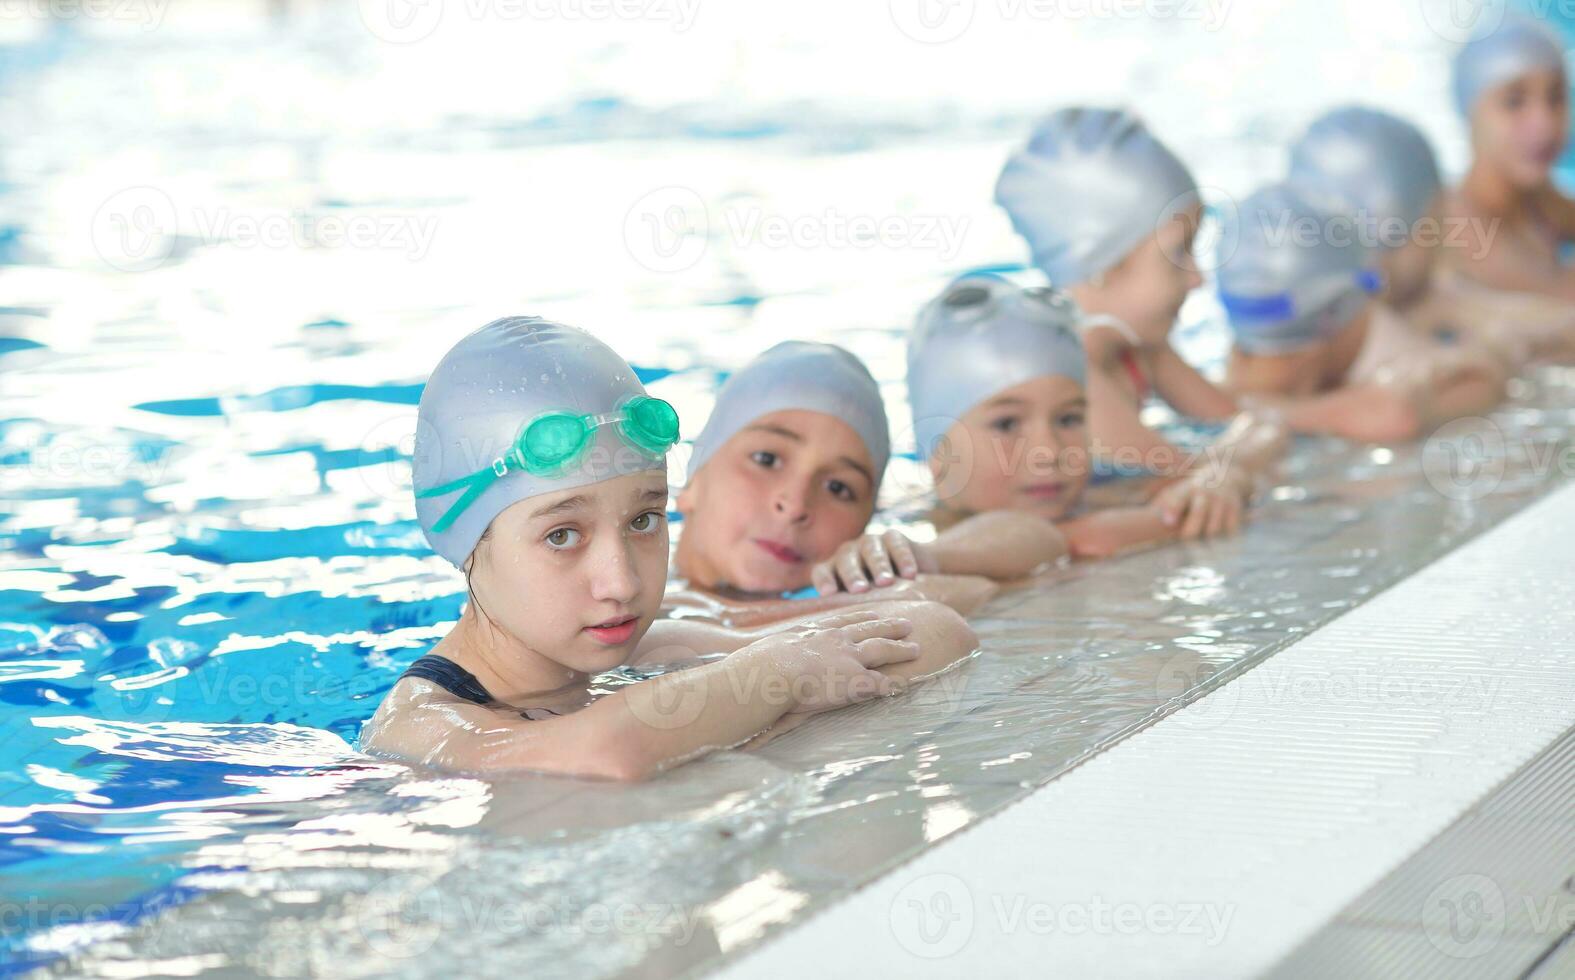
x=551, y=443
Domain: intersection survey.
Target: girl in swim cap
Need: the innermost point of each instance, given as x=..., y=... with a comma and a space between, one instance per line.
x=995, y=379
x=786, y=471
x=1380, y=172
x=540, y=472
x=1511, y=87
x=1109, y=214
x=1298, y=286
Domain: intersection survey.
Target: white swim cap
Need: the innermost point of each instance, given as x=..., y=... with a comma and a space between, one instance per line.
x=1294, y=274
x=802, y=375
x=1088, y=188
x=1367, y=163
x=981, y=336
x=475, y=408
x=1516, y=47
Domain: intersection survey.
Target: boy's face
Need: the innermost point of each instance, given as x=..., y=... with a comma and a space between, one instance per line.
x=1313, y=367
x=578, y=575
x=782, y=494
x=1146, y=289
x=1521, y=126
x=1407, y=271
x=1026, y=448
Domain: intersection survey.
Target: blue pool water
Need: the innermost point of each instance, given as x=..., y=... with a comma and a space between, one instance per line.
x=209, y=568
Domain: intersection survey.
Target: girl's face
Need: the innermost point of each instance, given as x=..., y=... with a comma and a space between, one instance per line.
x=577, y=576
x=1520, y=127
x=779, y=496
x=1026, y=449
x=1146, y=289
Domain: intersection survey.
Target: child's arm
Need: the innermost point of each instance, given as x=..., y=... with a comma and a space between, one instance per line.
x=964, y=593
x=1188, y=391
x=1490, y=258
x=1523, y=326
x=1116, y=427
x=1449, y=384
x=1255, y=441
x=644, y=728
x=944, y=638
x=1558, y=209
x=1363, y=413
x=999, y=545
x=676, y=640
x=1104, y=533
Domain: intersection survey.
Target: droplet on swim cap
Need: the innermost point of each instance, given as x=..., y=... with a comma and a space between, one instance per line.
x=480, y=397
x=1516, y=47
x=1088, y=188
x=805, y=376
x=1369, y=164
x=1294, y=272
x=983, y=335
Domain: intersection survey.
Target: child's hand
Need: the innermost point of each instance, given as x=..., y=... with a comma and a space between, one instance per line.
x=831, y=662
x=1204, y=505
x=881, y=558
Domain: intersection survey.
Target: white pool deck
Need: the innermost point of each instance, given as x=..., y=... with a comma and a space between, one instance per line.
x=1214, y=842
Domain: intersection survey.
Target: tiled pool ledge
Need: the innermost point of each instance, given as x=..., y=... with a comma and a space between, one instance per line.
x=1221, y=837
x=743, y=848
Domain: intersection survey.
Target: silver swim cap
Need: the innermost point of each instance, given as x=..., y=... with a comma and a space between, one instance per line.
x=799, y=375
x=981, y=336
x=1296, y=273
x=1517, y=47
x=1088, y=188
x=1368, y=164
x=476, y=408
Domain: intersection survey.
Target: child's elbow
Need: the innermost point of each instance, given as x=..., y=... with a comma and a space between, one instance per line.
x=1050, y=545
x=943, y=634
x=1095, y=543
x=952, y=631
x=615, y=757
x=1392, y=418
x=618, y=767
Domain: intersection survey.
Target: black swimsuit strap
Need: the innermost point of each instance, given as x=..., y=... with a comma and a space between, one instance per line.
x=451, y=677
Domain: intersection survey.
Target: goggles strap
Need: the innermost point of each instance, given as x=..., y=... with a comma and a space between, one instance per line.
x=475, y=485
